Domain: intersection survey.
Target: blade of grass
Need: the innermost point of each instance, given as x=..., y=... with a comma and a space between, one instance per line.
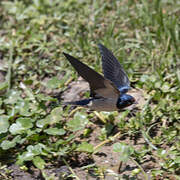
x=9, y=74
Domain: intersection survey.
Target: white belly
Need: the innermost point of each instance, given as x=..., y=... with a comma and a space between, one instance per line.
x=103, y=104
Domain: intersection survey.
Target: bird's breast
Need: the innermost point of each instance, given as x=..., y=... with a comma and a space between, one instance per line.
x=103, y=104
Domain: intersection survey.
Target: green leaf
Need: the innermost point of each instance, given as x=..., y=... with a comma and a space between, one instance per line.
x=41, y=123
x=23, y=108
x=18, y=139
x=7, y=144
x=13, y=97
x=56, y=115
x=85, y=147
x=144, y=78
x=39, y=162
x=177, y=160
x=4, y=124
x=55, y=131
x=165, y=87
x=31, y=152
x=44, y=97
x=3, y=86
x=21, y=125
x=1, y=101
x=125, y=151
x=152, y=78
x=37, y=149
x=25, y=156
x=79, y=122
x=53, y=83
x=53, y=118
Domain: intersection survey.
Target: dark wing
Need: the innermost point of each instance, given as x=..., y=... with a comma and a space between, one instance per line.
x=100, y=87
x=113, y=70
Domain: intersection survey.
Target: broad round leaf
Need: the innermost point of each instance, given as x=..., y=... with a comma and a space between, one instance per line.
x=21, y=125
x=41, y=123
x=25, y=156
x=4, y=124
x=23, y=108
x=53, y=83
x=39, y=162
x=79, y=122
x=125, y=151
x=13, y=97
x=85, y=147
x=53, y=118
x=56, y=115
x=55, y=131
x=7, y=144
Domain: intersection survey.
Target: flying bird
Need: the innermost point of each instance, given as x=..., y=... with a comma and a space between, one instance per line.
x=108, y=93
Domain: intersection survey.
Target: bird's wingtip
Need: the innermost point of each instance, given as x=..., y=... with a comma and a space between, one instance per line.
x=65, y=54
x=69, y=57
x=100, y=45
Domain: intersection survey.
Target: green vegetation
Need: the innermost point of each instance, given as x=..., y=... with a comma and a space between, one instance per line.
x=37, y=131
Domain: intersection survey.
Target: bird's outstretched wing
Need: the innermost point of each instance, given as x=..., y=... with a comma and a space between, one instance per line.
x=99, y=86
x=113, y=70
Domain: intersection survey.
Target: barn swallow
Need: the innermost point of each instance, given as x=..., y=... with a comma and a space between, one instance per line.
x=108, y=93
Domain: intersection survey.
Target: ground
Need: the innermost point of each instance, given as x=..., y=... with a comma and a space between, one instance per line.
x=40, y=138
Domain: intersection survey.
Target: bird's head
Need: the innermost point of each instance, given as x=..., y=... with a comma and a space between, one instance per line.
x=125, y=100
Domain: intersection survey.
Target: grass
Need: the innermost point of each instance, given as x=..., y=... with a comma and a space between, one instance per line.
x=36, y=130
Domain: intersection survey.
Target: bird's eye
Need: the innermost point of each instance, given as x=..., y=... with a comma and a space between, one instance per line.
x=130, y=102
